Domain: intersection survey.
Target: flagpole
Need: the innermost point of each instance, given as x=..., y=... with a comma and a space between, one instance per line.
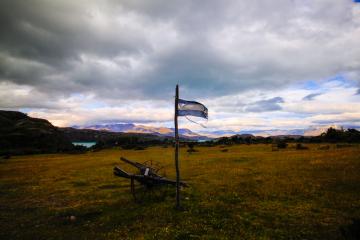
x=177, y=148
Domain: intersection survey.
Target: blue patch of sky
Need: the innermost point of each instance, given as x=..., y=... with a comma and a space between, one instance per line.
x=169, y=124
x=25, y=110
x=94, y=105
x=311, y=85
x=342, y=80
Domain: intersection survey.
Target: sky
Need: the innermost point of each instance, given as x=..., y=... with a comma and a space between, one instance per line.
x=285, y=64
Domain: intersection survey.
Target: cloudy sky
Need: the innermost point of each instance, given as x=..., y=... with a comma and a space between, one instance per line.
x=284, y=64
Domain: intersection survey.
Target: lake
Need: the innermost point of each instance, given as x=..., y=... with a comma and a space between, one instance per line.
x=85, y=144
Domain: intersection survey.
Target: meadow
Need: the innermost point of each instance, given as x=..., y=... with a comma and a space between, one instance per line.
x=236, y=192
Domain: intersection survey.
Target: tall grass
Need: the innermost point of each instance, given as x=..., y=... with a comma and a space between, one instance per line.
x=248, y=192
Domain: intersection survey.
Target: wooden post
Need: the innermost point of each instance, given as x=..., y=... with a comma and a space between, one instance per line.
x=177, y=148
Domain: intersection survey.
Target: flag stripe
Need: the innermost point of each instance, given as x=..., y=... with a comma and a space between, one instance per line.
x=191, y=108
x=192, y=113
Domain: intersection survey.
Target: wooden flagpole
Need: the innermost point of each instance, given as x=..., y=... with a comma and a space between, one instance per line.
x=177, y=148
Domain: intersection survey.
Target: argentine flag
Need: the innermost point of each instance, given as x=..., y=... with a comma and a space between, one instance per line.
x=192, y=108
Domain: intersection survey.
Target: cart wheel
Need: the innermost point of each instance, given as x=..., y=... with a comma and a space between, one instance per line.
x=156, y=167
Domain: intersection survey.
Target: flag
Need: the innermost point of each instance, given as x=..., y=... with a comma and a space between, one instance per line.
x=192, y=108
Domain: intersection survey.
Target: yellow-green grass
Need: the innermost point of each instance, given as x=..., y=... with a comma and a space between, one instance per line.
x=248, y=192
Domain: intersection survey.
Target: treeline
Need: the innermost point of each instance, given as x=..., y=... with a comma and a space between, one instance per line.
x=137, y=142
x=340, y=135
x=332, y=135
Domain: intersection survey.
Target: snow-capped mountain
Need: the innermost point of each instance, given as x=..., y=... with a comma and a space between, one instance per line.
x=133, y=128
x=204, y=135
x=311, y=131
x=112, y=127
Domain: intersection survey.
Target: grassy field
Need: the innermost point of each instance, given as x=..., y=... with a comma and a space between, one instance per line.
x=248, y=192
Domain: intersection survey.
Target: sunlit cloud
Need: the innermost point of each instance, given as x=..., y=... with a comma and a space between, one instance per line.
x=285, y=64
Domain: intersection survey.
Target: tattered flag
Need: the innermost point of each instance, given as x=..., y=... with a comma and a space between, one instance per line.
x=192, y=108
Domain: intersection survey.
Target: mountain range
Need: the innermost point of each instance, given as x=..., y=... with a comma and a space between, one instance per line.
x=311, y=131
x=133, y=128
x=203, y=135
x=21, y=134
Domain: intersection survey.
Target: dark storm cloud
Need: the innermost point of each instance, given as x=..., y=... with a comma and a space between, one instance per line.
x=47, y=45
x=311, y=96
x=55, y=31
x=265, y=105
x=140, y=49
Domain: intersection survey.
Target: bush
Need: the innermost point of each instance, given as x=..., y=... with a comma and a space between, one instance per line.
x=98, y=146
x=299, y=146
x=128, y=146
x=191, y=146
x=139, y=148
x=326, y=147
x=6, y=156
x=78, y=149
x=191, y=150
x=343, y=145
x=282, y=144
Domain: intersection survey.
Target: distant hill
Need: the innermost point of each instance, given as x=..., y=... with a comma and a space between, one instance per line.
x=133, y=128
x=21, y=134
x=79, y=135
x=331, y=135
x=279, y=133
x=205, y=135
x=116, y=127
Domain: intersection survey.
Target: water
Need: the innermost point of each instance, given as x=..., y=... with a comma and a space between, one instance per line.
x=85, y=144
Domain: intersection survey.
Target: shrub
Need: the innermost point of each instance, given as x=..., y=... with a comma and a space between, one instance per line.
x=139, y=148
x=299, y=146
x=191, y=150
x=77, y=149
x=7, y=156
x=343, y=145
x=282, y=144
x=326, y=147
x=191, y=146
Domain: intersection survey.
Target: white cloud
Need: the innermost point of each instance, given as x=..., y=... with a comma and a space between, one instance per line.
x=122, y=59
